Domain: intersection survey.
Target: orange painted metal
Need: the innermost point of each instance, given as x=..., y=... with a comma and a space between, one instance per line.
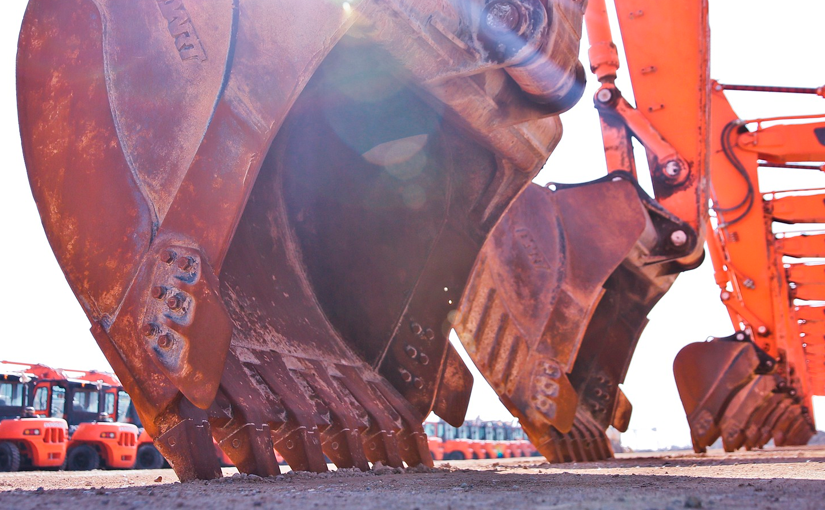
x=671, y=86
x=41, y=441
x=768, y=282
x=115, y=442
x=798, y=208
x=802, y=246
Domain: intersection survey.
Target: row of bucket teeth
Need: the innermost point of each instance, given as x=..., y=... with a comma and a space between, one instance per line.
x=311, y=412
x=585, y=442
x=776, y=416
x=728, y=395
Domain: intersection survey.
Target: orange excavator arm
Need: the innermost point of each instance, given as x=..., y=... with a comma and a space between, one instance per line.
x=768, y=281
x=671, y=87
x=759, y=380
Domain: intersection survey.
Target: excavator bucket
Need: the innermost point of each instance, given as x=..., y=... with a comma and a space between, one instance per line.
x=729, y=389
x=269, y=211
x=557, y=301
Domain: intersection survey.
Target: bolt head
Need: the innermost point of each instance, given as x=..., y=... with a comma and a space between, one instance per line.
x=165, y=341
x=175, y=302
x=150, y=329
x=502, y=17
x=424, y=359
x=418, y=383
x=411, y=351
x=604, y=96
x=678, y=238
x=168, y=256
x=186, y=263
x=672, y=168
x=416, y=328
x=158, y=292
x=762, y=330
x=429, y=334
x=725, y=295
x=405, y=375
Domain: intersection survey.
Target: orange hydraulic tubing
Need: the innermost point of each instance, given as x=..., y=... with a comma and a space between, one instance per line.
x=604, y=59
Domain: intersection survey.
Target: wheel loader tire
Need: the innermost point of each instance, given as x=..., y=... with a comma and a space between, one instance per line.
x=82, y=458
x=454, y=456
x=9, y=457
x=148, y=457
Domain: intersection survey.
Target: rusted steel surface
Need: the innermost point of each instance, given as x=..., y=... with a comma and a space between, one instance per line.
x=731, y=389
x=269, y=210
x=557, y=301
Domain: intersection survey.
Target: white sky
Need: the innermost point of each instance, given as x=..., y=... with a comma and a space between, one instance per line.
x=757, y=42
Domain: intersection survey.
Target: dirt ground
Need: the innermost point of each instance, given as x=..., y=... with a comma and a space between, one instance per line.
x=777, y=478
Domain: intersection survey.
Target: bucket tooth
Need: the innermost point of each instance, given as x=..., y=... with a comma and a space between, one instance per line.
x=810, y=313
x=753, y=431
x=783, y=425
x=415, y=449
x=802, y=432
x=741, y=408
x=189, y=449
x=251, y=450
x=773, y=419
x=557, y=301
x=382, y=436
x=802, y=246
x=342, y=441
x=797, y=209
x=299, y=439
x=242, y=419
x=794, y=428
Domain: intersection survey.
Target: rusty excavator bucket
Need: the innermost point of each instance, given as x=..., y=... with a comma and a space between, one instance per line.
x=730, y=390
x=269, y=211
x=557, y=300
x=273, y=213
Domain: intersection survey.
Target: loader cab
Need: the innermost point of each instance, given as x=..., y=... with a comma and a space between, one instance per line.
x=430, y=429
x=125, y=410
x=500, y=433
x=27, y=442
x=90, y=408
x=13, y=395
x=72, y=400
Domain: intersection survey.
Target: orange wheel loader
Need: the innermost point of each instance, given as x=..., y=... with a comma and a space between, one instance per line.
x=94, y=439
x=27, y=441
